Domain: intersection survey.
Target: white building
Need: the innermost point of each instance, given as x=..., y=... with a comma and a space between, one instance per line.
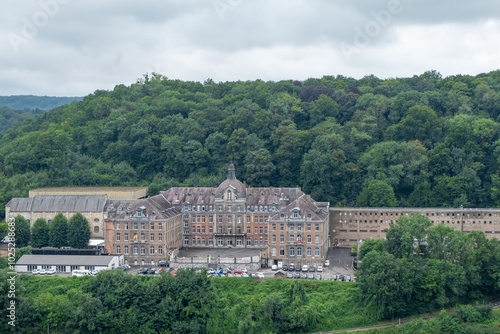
x=68, y=263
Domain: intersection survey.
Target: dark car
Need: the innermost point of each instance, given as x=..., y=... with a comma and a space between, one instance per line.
x=143, y=271
x=151, y=271
x=341, y=278
x=291, y=268
x=284, y=268
x=312, y=269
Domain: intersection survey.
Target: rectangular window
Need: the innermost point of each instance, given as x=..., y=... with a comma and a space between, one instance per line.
x=282, y=227
x=220, y=242
x=152, y=237
x=117, y=236
x=256, y=242
x=273, y=227
x=249, y=242
x=210, y=229
x=160, y=237
x=198, y=229
x=203, y=229
x=255, y=230
x=260, y=230
x=309, y=238
x=274, y=238
x=292, y=238
x=135, y=226
x=143, y=226
x=299, y=227
x=292, y=227
x=117, y=226
x=248, y=229
x=152, y=226
x=308, y=227
x=316, y=239
x=282, y=238
x=143, y=237
x=261, y=219
x=160, y=226
x=126, y=226
x=282, y=251
x=317, y=227
x=152, y=250
x=316, y=251
x=248, y=219
x=125, y=249
x=210, y=219
x=202, y=219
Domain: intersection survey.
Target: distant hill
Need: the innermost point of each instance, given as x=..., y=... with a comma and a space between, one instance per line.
x=10, y=117
x=20, y=102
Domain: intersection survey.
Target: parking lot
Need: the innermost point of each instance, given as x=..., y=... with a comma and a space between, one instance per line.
x=340, y=264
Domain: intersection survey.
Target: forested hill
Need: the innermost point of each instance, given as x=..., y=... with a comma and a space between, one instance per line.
x=9, y=117
x=46, y=103
x=419, y=141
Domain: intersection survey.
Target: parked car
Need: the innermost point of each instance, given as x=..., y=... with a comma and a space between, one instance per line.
x=245, y=275
x=297, y=275
x=143, y=271
x=320, y=269
x=35, y=271
x=274, y=267
x=318, y=277
x=305, y=268
x=260, y=275
x=348, y=278
x=42, y=272
x=334, y=277
x=236, y=275
x=240, y=271
x=151, y=271
x=327, y=263
x=289, y=275
x=252, y=275
x=312, y=269
x=310, y=276
x=51, y=271
x=303, y=276
x=291, y=268
x=284, y=267
x=341, y=278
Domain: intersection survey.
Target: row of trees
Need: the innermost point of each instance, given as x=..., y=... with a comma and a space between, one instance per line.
x=421, y=267
x=423, y=141
x=60, y=232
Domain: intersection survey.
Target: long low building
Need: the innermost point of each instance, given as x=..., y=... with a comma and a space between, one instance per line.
x=68, y=263
x=353, y=225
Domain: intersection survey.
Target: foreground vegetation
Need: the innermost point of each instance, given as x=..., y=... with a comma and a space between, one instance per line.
x=419, y=141
x=117, y=302
x=462, y=320
x=421, y=267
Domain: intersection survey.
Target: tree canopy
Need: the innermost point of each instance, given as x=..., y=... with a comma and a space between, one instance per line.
x=433, y=140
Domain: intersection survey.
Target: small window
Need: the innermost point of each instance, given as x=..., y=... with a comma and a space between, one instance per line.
x=96, y=229
x=96, y=219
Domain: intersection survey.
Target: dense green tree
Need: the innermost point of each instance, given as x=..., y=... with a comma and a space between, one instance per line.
x=40, y=233
x=58, y=231
x=78, y=231
x=259, y=168
x=377, y=194
x=23, y=232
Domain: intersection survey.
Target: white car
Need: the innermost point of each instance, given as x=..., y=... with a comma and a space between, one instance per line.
x=274, y=267
x=35, y=271
x=51, y=271
x=320, y=269
x=327, y=263
x=260, y=275
x=42, y=272
x=245, y=275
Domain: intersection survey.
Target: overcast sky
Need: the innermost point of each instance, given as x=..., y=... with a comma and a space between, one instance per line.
x=74, y=47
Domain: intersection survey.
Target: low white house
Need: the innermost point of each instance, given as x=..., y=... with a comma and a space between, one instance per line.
x=68, y=263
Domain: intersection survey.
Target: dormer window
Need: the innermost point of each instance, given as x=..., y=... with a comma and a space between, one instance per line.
x=229, y=194
x=296, y=213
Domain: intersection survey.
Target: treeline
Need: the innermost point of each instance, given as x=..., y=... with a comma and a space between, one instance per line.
x=188, y=302
x=59, y=233
x=43, y=103
x=424, y=141
x=421, y=268
x=9, y=117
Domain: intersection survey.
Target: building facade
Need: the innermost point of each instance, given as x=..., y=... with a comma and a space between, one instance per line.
x=144, y=231
x=353, y=225
x=286, y=224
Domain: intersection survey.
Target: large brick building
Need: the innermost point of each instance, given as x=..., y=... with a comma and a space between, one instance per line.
x=352, y=225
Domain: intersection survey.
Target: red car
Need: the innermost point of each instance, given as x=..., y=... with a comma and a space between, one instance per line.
x=240, y=271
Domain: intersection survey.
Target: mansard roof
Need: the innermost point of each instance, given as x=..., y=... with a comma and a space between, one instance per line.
x=155, y=207
x=309, y=209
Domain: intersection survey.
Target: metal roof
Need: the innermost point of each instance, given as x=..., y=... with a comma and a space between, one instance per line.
x=68, y=203
x=65, y=260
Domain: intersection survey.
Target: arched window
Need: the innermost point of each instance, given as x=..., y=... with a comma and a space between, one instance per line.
x=96, y=229
x=292, y=251
x=309, y=251
x=118, y=249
